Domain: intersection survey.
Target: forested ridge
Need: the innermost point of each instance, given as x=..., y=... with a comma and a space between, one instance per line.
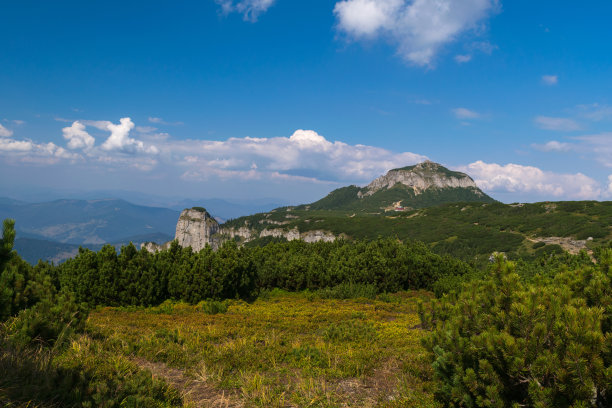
x=524, y=333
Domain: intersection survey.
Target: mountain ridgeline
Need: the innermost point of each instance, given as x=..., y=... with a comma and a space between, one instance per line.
x=423, y=185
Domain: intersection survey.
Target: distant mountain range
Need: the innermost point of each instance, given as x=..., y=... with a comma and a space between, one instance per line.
x=54, y=230
x=427, y=202
x=87, y=222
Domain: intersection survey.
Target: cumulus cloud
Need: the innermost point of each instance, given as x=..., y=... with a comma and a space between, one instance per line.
x=119, y=139
x=250, y=9
x=550, y=79
x=31, y=152
x=463, y=113
x=418, y=27
x=77, y=137
x=516, y=178
x=10, y=145
x=558, y=124
x=4, y=132
x=305, y=155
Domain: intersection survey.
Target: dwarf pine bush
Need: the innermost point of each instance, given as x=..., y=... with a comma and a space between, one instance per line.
x=501, y=342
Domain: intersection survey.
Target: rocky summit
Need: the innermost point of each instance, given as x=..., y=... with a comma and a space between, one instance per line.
x=423, y=185
x=423, y=176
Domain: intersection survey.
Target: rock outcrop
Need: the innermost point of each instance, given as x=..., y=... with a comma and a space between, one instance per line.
x=421, y=177
x=195, y=228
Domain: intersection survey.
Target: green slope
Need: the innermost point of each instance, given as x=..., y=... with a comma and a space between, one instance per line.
x=353, y=198
x=465, y=230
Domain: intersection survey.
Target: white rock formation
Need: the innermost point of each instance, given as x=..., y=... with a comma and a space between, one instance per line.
x=423, y=176
x=195, y=228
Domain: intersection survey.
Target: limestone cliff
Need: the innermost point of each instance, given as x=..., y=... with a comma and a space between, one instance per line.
x=421, y=177
x=195, y=228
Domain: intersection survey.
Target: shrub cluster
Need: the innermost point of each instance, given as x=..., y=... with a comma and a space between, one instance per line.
x=137, y=277
x=507, y=342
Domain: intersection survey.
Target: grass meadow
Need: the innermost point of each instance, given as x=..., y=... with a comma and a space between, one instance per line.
x=282, y=350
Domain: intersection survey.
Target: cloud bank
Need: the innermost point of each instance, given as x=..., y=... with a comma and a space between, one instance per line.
x=419, y=28
x=515, y=178
x=303, y=158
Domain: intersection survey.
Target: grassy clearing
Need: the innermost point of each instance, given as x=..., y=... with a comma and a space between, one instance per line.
x=285, y=350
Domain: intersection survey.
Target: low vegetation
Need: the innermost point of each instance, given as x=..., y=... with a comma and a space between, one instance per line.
x=467, y=231
x=378, y=323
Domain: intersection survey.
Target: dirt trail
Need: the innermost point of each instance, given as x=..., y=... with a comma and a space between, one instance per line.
x=195, y=393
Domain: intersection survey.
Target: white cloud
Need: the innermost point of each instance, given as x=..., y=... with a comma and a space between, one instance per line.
x=550, y=79
x=553, y=146
x=10, y=145
x=558, y=124
x=77, y=137
x=515, y=178
x=250, y=9
x=304, y=155
x=31, y=152
x=463, y=113
x=418, y=27
x=4, y=132
x=462, y=59
x=119, y=139
x=155, y=120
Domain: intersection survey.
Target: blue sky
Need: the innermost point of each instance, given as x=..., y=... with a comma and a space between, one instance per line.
x=291, y=99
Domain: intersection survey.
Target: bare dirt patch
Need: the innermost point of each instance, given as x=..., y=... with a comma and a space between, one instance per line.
x=369, y=391
x=195, y=393
x=571, y=245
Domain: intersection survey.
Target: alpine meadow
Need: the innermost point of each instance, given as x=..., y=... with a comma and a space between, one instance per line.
x=321, y=204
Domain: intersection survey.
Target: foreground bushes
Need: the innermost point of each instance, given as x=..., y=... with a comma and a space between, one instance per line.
x=502, y=342
x=37, y=368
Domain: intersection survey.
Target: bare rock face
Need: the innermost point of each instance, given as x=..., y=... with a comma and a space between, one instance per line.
x=195, y=228
x=421, y=177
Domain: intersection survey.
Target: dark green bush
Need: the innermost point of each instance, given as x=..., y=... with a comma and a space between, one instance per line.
x=349, y=290
x=502, y=342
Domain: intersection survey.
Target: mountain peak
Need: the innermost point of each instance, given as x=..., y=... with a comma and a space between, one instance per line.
x=421, y=177
x=422, y=185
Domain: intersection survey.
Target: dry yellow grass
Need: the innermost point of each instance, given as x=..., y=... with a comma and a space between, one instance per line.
x=288, y=350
